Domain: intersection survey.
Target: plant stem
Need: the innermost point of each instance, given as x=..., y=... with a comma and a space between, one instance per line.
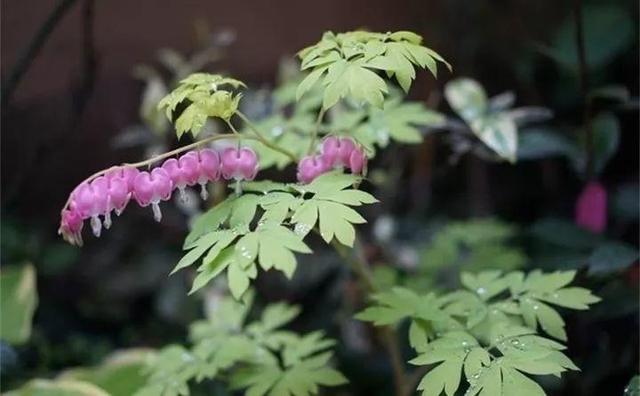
x=316, y=128
x=32, y=50
x=359, y=264
x=584, y=88
x=260, y=137
x=161, y=157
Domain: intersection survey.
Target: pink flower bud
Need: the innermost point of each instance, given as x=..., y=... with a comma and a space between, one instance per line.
x=208, y=168
x=151, y=188
x=358, y=161
x=311, y=167
x=183, y=172
x=71, y=226
x=591, y=208
x=337, y=151
x=239, y=164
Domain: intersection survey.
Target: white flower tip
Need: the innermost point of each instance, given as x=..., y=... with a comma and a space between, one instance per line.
x=157, y=213
x=96, y=226
x=204, y=194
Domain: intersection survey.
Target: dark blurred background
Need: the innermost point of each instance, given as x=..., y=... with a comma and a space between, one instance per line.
x=66, y=116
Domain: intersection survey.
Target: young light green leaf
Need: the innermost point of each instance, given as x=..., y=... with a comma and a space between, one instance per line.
x=345, y=65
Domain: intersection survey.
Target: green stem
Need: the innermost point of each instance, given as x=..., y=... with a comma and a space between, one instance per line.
x=360, y=266
x=316, y=129
x=260, y=137
x=583, y=70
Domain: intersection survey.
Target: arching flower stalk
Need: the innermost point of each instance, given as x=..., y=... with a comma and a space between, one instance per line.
x=110, y=190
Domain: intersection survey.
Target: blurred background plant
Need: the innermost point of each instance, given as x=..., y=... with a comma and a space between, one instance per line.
x=567, y=121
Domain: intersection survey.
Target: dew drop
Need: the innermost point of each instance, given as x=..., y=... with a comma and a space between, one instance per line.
x=277, y=131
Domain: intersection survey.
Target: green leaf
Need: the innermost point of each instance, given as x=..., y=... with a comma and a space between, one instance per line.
x=452, y=350
x=445, y=376
x=499, y=132
x=213, y=268
x=633, y=389
x=399, y=120
x=345, y=65
x=238, y=279
x=211, y=220
x=611, y=257
x=467, y=98
x=538, y=143
x=304, y=370
x=19, y=298
x=563, y=233
x=551, y=322
x=205, y=99
x=120, y=374
x=418, y=336
x=516, y=383
x=43, y=387
x=485, y=284
x=606, y=136
x=201, y=245
x=608, y=31
x=571, y=297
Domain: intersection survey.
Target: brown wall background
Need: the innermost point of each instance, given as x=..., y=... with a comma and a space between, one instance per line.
x=49, y=142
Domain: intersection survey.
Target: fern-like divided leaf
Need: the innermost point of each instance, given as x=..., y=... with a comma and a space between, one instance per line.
x=266, y=225
x=204, y=95
x=260, y=356
x=345, y=64
x=488, y=332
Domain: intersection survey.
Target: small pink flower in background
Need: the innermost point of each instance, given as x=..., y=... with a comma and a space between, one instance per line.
x=591, y=207
x=311, y=167
x=344, y=153
x=71, y=226
x=183, y=172
x=337, y=151
x=239, y=164
x=358, y=161
x=151, y=188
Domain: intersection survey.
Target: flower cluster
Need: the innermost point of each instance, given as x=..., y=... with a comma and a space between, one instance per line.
x=336, y=153
x=112, y=191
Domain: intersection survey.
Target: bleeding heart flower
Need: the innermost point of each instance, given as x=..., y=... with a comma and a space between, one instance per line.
x=118, y=196
x=358, y=161
x=311, y=167
x=71, y=226
x=239, y=164
x=208, y=168
x=151, y=188
x=337, y=151
x=591, y=207
x=183, y=172
x=125, y=173
x=91, y=201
